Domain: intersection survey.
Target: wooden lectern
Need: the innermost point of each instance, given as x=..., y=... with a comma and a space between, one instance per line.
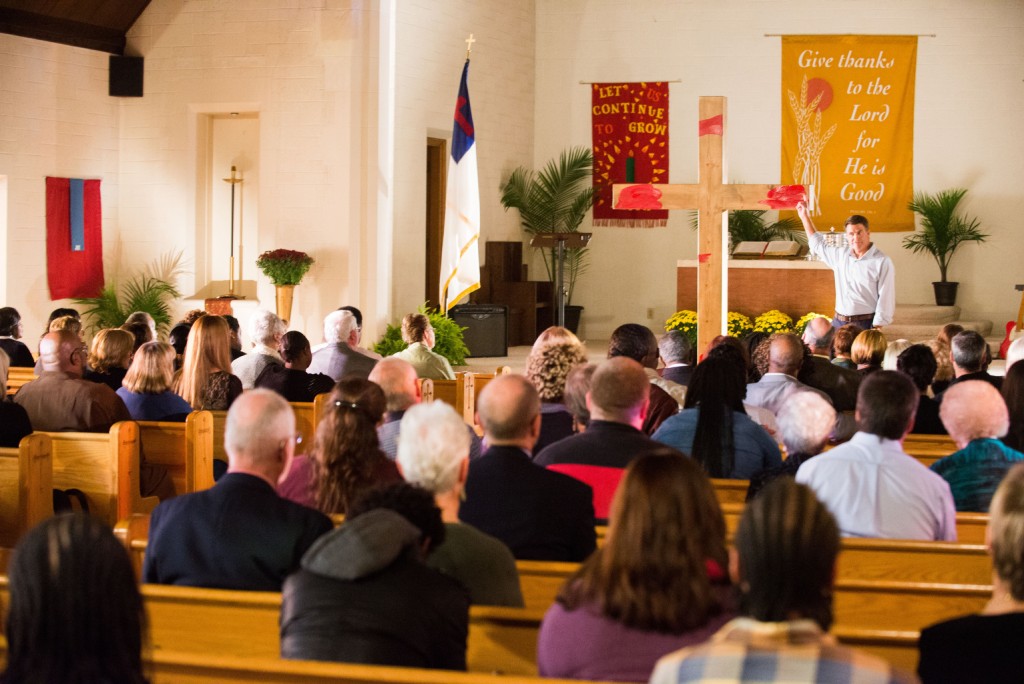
x=561, y=242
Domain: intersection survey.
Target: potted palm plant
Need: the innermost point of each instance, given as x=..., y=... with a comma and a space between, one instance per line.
x=942, y=232
x=556, y=200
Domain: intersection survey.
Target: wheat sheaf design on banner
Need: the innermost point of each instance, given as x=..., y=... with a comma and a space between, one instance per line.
x=810, y=140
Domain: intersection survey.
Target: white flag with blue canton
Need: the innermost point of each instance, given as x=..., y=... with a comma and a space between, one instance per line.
x=460, y=251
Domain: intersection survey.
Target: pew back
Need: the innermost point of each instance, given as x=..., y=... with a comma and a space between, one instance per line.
x=105, y=466
x=307, y=418
x=26, y=487
x=16, y=377
x=458, y=393
x=184, y=449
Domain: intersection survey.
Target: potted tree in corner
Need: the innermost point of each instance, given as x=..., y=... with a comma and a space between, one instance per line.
x=942, y=232
x=556, y=200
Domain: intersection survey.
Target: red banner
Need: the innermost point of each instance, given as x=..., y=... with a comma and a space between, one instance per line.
x=74, y=255
x=630, y=122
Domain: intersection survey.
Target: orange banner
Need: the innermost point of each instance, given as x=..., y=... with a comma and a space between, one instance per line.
x=848, y=126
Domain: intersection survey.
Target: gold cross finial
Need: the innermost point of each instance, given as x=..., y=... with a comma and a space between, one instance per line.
x=469, y=45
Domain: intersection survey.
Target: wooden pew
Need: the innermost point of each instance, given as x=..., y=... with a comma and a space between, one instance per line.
x=970, y=527
x=26, y=487
x=457, y=393
x=185, y=449
x=105, y=466
x=480, y=380
x=16, y=377
x=307, y=418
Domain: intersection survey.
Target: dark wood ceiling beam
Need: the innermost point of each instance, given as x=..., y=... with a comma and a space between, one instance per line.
x=38, y=26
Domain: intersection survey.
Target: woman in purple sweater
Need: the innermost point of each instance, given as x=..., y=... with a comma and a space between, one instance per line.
x=659, y=583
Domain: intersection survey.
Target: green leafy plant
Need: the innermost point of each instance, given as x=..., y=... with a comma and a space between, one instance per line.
x=943, y=230
x=284, y=266
x=448, y=338
x=555, y=200
x=152, y=291
x=750, y=225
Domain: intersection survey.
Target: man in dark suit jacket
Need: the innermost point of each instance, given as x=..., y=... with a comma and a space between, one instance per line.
x=239, y=534
x=677, y=354
x=618, y=399
x=537, y=513
x=818, y=371
x=341, y=356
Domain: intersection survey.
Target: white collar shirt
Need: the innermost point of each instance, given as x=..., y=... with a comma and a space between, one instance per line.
x=863, y=286
x=874, y=489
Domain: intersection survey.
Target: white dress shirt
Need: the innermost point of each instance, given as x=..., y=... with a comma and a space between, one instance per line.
x=863, y=286
x=874, y=489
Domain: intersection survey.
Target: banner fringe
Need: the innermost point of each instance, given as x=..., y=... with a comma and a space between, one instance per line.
x=631, y=223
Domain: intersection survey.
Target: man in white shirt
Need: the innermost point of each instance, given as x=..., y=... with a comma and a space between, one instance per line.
x=871, y=486
x=864, y=277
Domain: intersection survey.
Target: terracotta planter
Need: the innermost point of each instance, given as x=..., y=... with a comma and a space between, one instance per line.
x=285, y=293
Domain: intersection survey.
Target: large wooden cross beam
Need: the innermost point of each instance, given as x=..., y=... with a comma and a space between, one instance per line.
x=712, y=197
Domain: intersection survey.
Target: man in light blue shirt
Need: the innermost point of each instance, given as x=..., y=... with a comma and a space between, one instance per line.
x=871, y=486
x=865, y=279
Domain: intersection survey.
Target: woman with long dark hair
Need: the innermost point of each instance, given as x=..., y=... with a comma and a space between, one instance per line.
x=659, y=583
x=75, y=613
x=714, y=428
x=347, y=459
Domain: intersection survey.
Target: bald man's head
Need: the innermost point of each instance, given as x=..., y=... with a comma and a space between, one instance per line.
x=62, y=350
x=818, y=335
x=398, y=380
x=786, y=354
x=973, y=410
x=509, y=410
x=259, y=433
x=619, y=391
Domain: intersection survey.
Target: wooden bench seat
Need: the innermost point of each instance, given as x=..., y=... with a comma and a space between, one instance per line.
x=184, y=449
x=105, y=466
x=307, y=418
x=26, y=487
x=458, y=393
x=16, y=377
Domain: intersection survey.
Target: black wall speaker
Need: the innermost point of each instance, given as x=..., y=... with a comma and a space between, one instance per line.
x=125, y=76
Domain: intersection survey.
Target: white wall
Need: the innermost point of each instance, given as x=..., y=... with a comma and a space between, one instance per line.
x=56, y=119
x=430, y=55
x=968, y=126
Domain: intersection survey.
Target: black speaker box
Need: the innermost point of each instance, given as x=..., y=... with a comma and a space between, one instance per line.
x=486, y=326
x=125, y=76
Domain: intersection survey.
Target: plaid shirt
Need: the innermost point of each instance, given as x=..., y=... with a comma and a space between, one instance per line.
x=746, y=650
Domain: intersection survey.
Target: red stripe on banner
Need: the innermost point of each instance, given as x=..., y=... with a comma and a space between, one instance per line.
x=68, y=273
x=711, y=126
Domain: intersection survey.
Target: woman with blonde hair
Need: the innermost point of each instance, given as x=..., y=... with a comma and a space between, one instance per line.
x=659, y=583
x=147, y=389
x=868, y=351
x=556, y=352
x=892, y=352
x=347, y=459
x=109, y=356
x=205, y=380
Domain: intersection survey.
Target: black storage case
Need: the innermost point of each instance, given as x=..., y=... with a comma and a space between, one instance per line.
x=486, y=326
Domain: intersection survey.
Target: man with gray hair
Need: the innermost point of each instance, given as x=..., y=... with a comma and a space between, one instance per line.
x=398, y=379
x=538, y=513
x=676, y=353
x=433, y=453
x=618, y=400
x=970, y=356
x=239, y=534
x=975, y=416
x=871, y=486
x=265, y=331
x=340, y=357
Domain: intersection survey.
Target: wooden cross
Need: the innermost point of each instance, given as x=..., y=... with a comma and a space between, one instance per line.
x=712, y=197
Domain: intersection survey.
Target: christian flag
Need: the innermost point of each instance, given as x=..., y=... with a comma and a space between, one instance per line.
x=74, y=241
x=460, y=253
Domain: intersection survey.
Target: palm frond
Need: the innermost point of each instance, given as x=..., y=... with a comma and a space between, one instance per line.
x=943, y=230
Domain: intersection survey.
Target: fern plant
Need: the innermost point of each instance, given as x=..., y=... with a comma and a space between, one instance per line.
x=152, y=291
x=555, y=199
x=448, y=338
x=942, y=229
